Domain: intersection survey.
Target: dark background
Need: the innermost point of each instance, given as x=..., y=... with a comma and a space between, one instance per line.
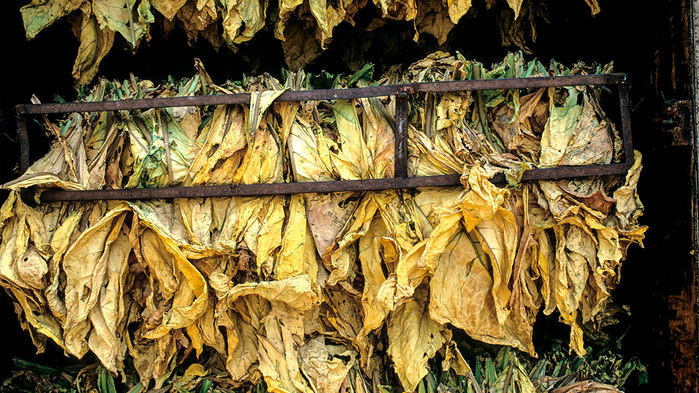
x=648, y=40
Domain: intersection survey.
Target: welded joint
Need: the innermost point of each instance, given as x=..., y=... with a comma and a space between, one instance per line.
x=403, y=91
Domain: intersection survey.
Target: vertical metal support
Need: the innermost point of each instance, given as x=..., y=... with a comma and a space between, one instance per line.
x=23, y=139
x=401, y=137
x=695, y=160
x=625, y=111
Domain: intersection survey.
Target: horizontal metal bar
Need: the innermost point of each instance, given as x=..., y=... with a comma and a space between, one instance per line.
x=329, y=94
x=320, y=187
x=573, y=171
x=250, y=189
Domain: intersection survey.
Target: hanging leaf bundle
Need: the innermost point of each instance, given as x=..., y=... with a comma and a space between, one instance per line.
x=311, y=292
x=305, y=28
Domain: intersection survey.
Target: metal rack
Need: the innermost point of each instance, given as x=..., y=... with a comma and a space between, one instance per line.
x=399, y=181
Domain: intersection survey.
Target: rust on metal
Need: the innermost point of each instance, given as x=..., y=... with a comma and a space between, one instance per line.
x=625, y=114
x=390, y=183
x=330, y=94
x=675, y=120
x=23, y=142
x=252, y=189
x=401, y=137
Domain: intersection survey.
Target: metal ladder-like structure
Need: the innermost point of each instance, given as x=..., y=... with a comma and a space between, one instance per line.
x=401, y=180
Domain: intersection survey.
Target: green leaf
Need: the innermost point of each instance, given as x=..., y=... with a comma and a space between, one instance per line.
x=136, y=389
x=105, y=381
x=23, y=364
x=39, y=14
x=205, y=385
x=365, y=72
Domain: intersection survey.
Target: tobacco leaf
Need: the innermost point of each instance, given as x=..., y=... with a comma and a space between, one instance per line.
x=95, y=43
x=324, y=366
x=121, y=16
x=413, y=339
x=40, y=14
x=308, y=292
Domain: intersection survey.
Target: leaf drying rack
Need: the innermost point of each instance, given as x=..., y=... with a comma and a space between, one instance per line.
x=401, y=180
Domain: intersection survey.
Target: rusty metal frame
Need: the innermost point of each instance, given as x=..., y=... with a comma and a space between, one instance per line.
x=401, y=179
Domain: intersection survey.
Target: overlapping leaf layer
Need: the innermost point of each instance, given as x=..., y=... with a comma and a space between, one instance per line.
x=311, y=292
x=304, y=27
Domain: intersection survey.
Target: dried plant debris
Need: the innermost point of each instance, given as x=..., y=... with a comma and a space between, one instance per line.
x=497, y=371
x=305, y=28
x=311, y=292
